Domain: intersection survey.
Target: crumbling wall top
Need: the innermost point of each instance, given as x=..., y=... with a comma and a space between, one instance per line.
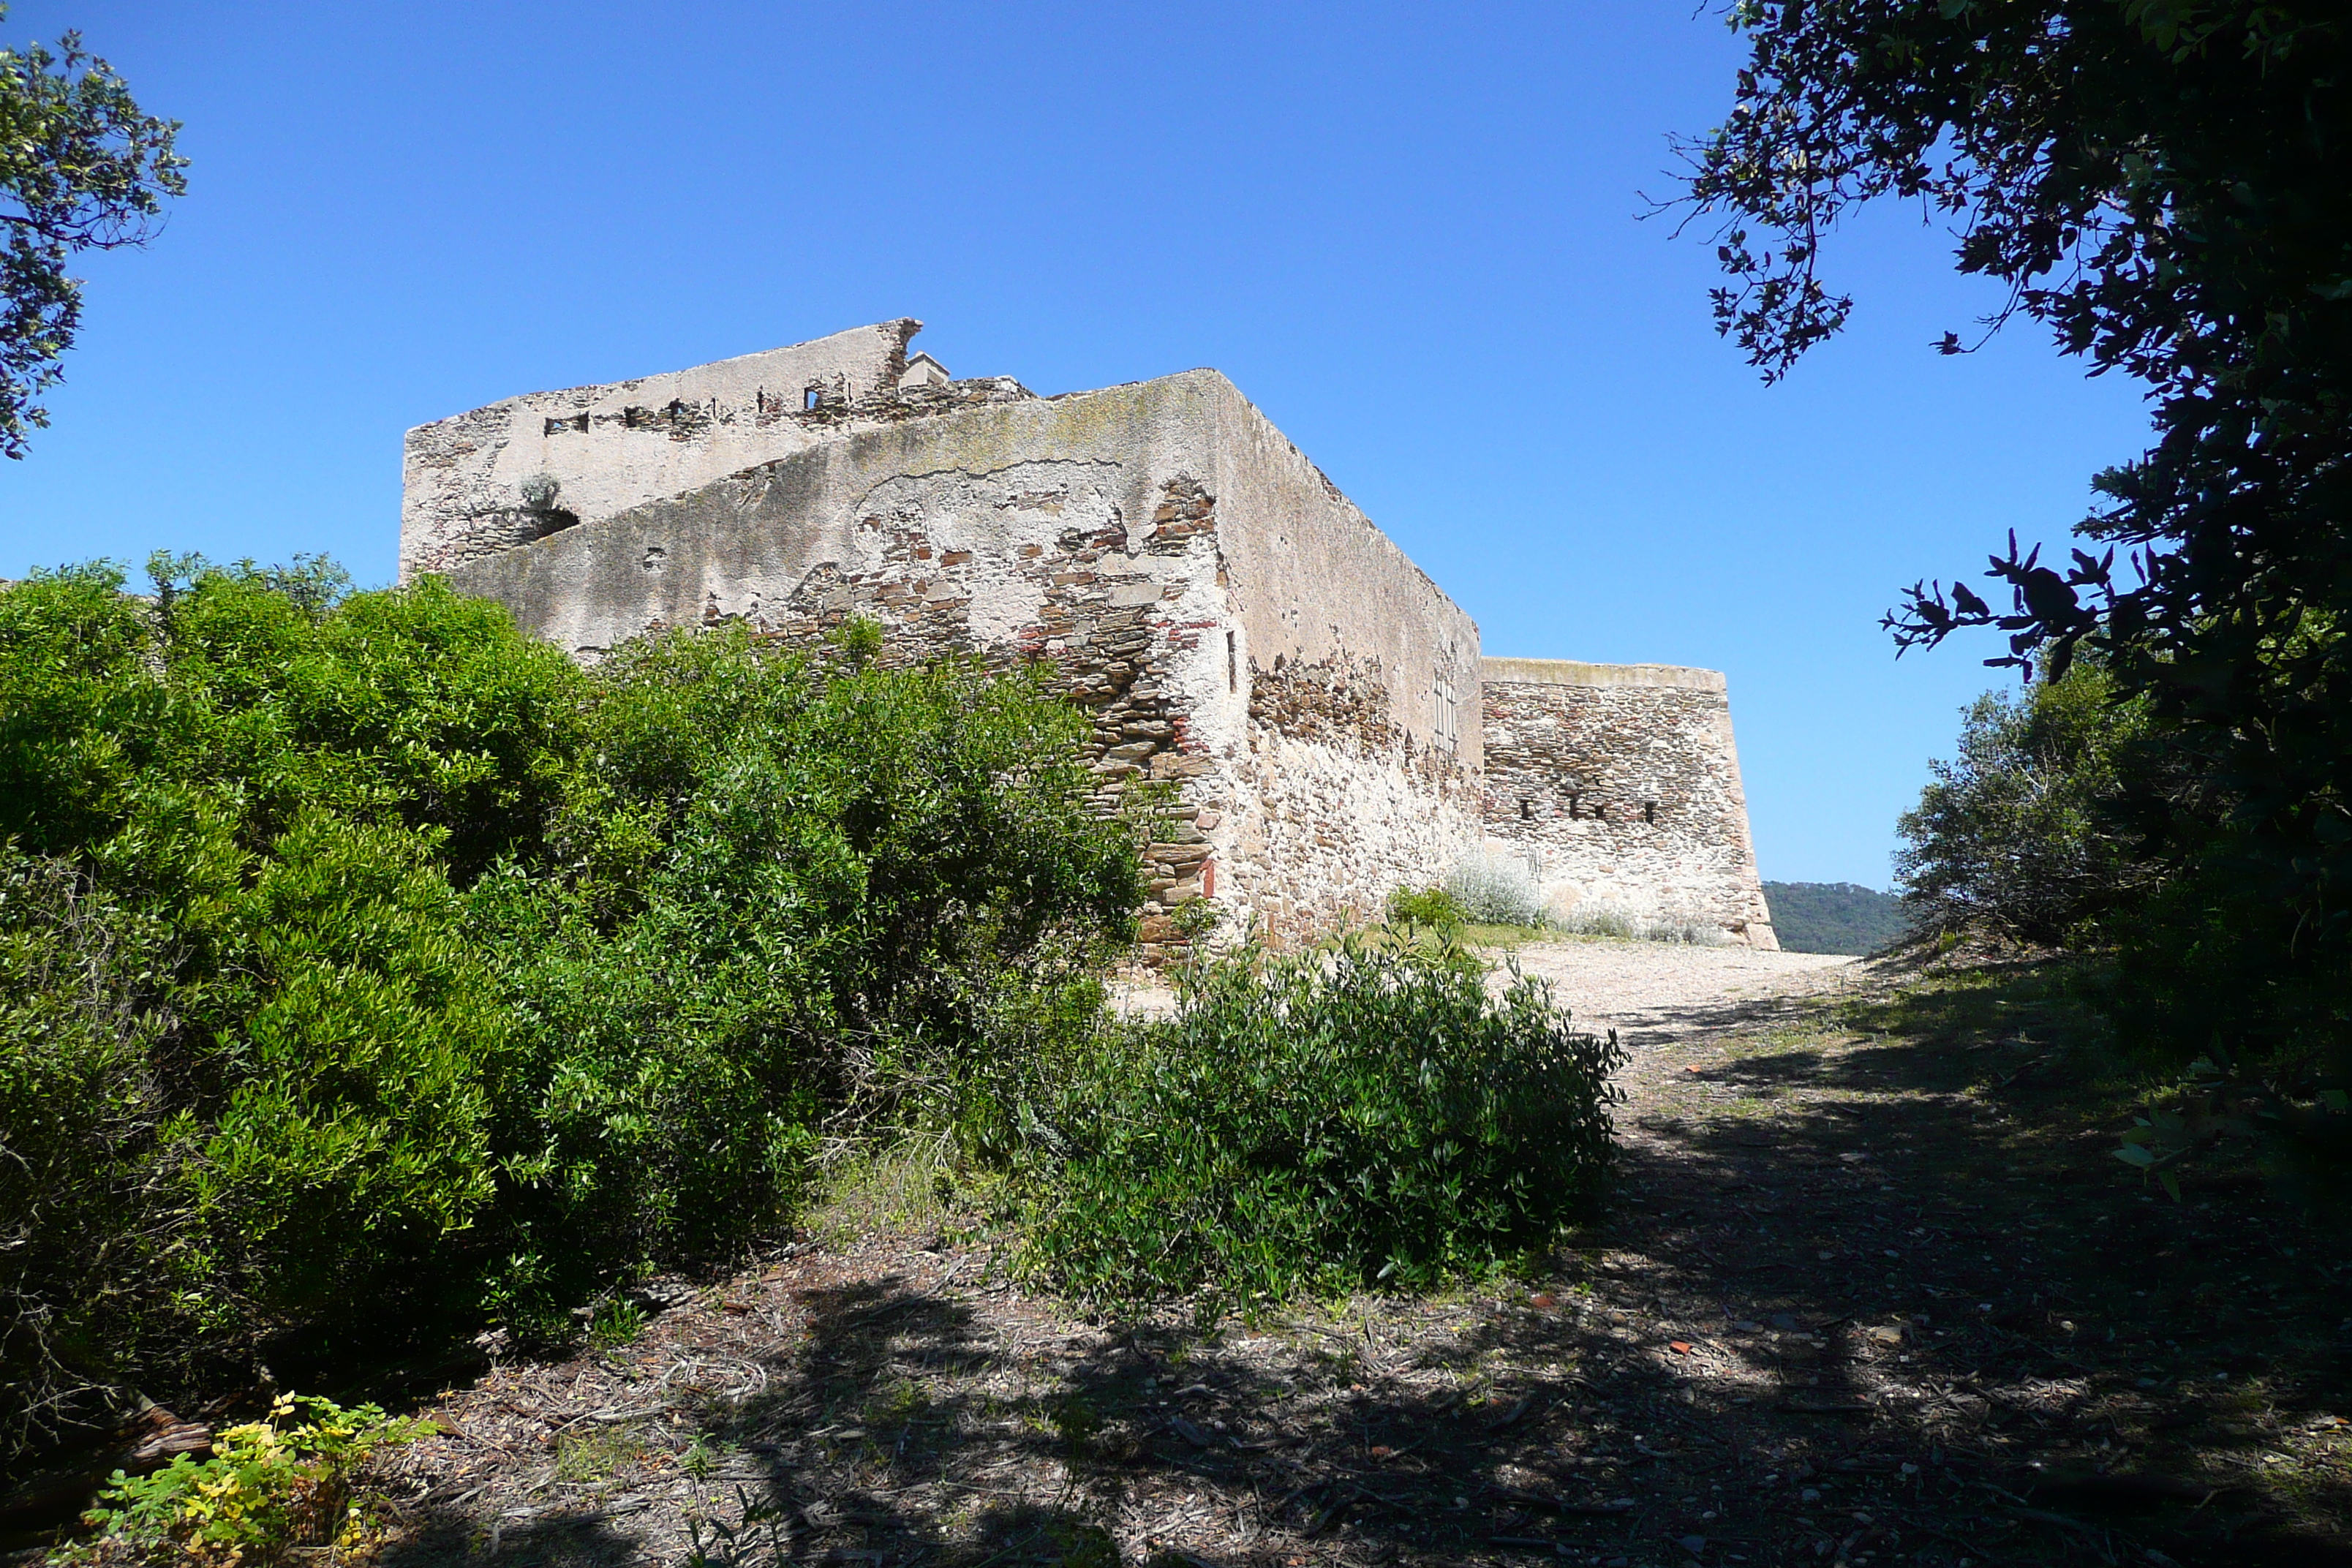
x=1573, y=672
x=517, y=469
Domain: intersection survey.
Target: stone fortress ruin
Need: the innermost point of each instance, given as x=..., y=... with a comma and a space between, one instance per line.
x=1233, y=623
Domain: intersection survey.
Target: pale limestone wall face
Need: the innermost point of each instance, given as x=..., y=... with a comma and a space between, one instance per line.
x=1620, y=786
x=830, y=529
x=1316, y=580
x=1323, y=832
x=615, y=446
x=1363, y=679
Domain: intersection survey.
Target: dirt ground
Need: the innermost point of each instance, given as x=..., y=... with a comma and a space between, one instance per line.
x=1872, y=1289
x=1654, y=993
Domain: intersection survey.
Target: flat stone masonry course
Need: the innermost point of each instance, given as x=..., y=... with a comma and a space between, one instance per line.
x=1234, y=626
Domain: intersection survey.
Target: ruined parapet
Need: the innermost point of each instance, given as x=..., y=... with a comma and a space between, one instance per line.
x=1620, y=784
x=529, y=467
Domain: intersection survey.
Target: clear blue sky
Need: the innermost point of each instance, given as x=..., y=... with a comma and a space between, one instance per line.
x=1408, y=233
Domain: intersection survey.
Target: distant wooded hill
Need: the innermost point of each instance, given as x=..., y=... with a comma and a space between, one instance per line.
x=1833, y=916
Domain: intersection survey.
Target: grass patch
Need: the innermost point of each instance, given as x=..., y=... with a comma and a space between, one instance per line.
x=616, y=1323
x=2034, y=1036
x=1506, y=937
x=900, y=1404
x=596, y=1454
x=917, y=1185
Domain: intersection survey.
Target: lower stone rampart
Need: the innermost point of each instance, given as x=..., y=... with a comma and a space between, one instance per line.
x=1325, y=833
x=1620, y=784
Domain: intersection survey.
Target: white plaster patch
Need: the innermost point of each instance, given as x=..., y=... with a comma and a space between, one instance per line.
x=994, y=516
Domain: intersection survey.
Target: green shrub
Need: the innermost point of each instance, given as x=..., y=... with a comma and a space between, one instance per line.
x=270, y=1489
x=276, y=1025
x=2026, y=832
x=1369, y=1116
x=822, y=898
x=1497, y=890
x=370, y=967
x=1433, y=907
x=2074, y=817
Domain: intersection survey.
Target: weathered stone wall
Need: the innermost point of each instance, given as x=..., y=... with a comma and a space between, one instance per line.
x=1085, y=533
x=1234, y=625
x=1334, y=804
x=1620, y=786
x=1362, y=747
x=1054, y=530
x=1315, y=581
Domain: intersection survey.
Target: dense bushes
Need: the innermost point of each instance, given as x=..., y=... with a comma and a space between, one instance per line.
x=817, y=894
x=2076, y=817
x=1369, y=1116
x=368, y=967
x=368, y=972
x=2028, y=831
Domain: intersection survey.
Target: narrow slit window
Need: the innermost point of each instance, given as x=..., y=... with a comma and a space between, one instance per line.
x=1446, y=716
x=1233, y=664
x=1648, y=811
x=1527, y=811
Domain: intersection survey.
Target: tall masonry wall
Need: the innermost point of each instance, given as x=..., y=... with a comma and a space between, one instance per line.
x=1620, y=785
x=1158, y=547
x=1361, y=761
x=1234, y=623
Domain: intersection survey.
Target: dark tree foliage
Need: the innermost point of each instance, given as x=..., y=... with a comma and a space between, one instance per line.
x=2163, y=184
x=81, y=168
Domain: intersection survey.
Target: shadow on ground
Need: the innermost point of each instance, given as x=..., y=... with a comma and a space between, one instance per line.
x=1872, y=1289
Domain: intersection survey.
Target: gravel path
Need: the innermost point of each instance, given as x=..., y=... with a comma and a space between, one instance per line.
x=1650, y=992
